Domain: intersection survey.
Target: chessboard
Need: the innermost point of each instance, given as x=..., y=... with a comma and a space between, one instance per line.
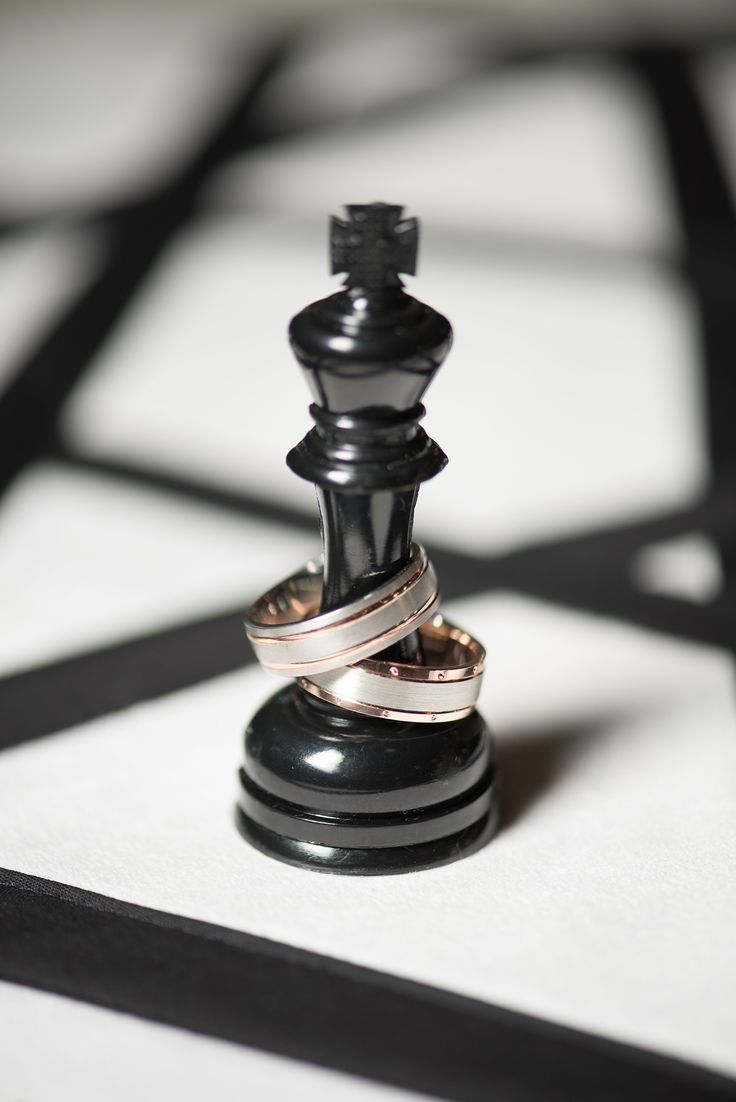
x=165, y=182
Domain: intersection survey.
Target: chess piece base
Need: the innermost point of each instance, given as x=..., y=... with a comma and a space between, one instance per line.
x=362, y=796
x=356, y=861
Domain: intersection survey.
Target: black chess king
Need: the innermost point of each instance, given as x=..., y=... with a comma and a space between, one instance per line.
x=372, y=759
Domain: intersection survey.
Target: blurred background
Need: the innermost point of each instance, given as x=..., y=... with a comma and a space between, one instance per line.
x=166, y=172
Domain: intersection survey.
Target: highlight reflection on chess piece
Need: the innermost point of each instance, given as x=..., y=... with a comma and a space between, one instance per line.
x=374, y=760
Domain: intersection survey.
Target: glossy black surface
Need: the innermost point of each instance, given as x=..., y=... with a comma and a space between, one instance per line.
x=371, y=831
x=328, y=789
x=369, y=861
x=369, y=350
x=367, y=539
x=320, y=786
x=306, y=752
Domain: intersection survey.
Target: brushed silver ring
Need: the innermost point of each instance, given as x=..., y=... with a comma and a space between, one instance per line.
x=444, y=688
x=290, y=635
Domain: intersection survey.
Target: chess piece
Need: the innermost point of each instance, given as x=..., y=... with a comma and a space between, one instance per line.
x=353, y=768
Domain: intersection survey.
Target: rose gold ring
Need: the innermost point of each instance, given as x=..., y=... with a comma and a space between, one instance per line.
x=444, y=688
x=291, y=636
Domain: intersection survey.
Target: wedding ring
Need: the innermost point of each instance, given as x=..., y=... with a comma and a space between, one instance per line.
x=291, y=636
x=443, y=689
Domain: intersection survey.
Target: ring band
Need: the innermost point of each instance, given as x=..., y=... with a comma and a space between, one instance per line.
x=291, y=636
x=443, y=689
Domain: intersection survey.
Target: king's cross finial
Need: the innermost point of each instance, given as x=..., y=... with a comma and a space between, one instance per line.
x=373, y=245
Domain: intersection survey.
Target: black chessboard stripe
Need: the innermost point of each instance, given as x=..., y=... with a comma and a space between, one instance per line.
x=205, y=493
x=105, y=680
x=587, y=573
x=226, y=984
x=708, y=221
x=705, y=201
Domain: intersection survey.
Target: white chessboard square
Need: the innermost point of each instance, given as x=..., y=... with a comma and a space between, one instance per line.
x=99, y=102
x=86, y=561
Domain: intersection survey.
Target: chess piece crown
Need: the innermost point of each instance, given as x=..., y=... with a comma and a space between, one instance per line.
x=384, y=683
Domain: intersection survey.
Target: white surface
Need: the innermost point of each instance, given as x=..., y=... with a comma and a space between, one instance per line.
x=570, y=398
x=39, y=275
x=688, y=567
x=95, y=103
x=86, y=561
x=332, y=72
x=608, y=902
x=475, y=159
x=64, y=1051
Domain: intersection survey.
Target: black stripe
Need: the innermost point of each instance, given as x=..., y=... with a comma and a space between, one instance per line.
x=206, y=493
x=589, y=573
x=75, y=690
x=227, y=984
x=708, y=220
x=137, y=236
